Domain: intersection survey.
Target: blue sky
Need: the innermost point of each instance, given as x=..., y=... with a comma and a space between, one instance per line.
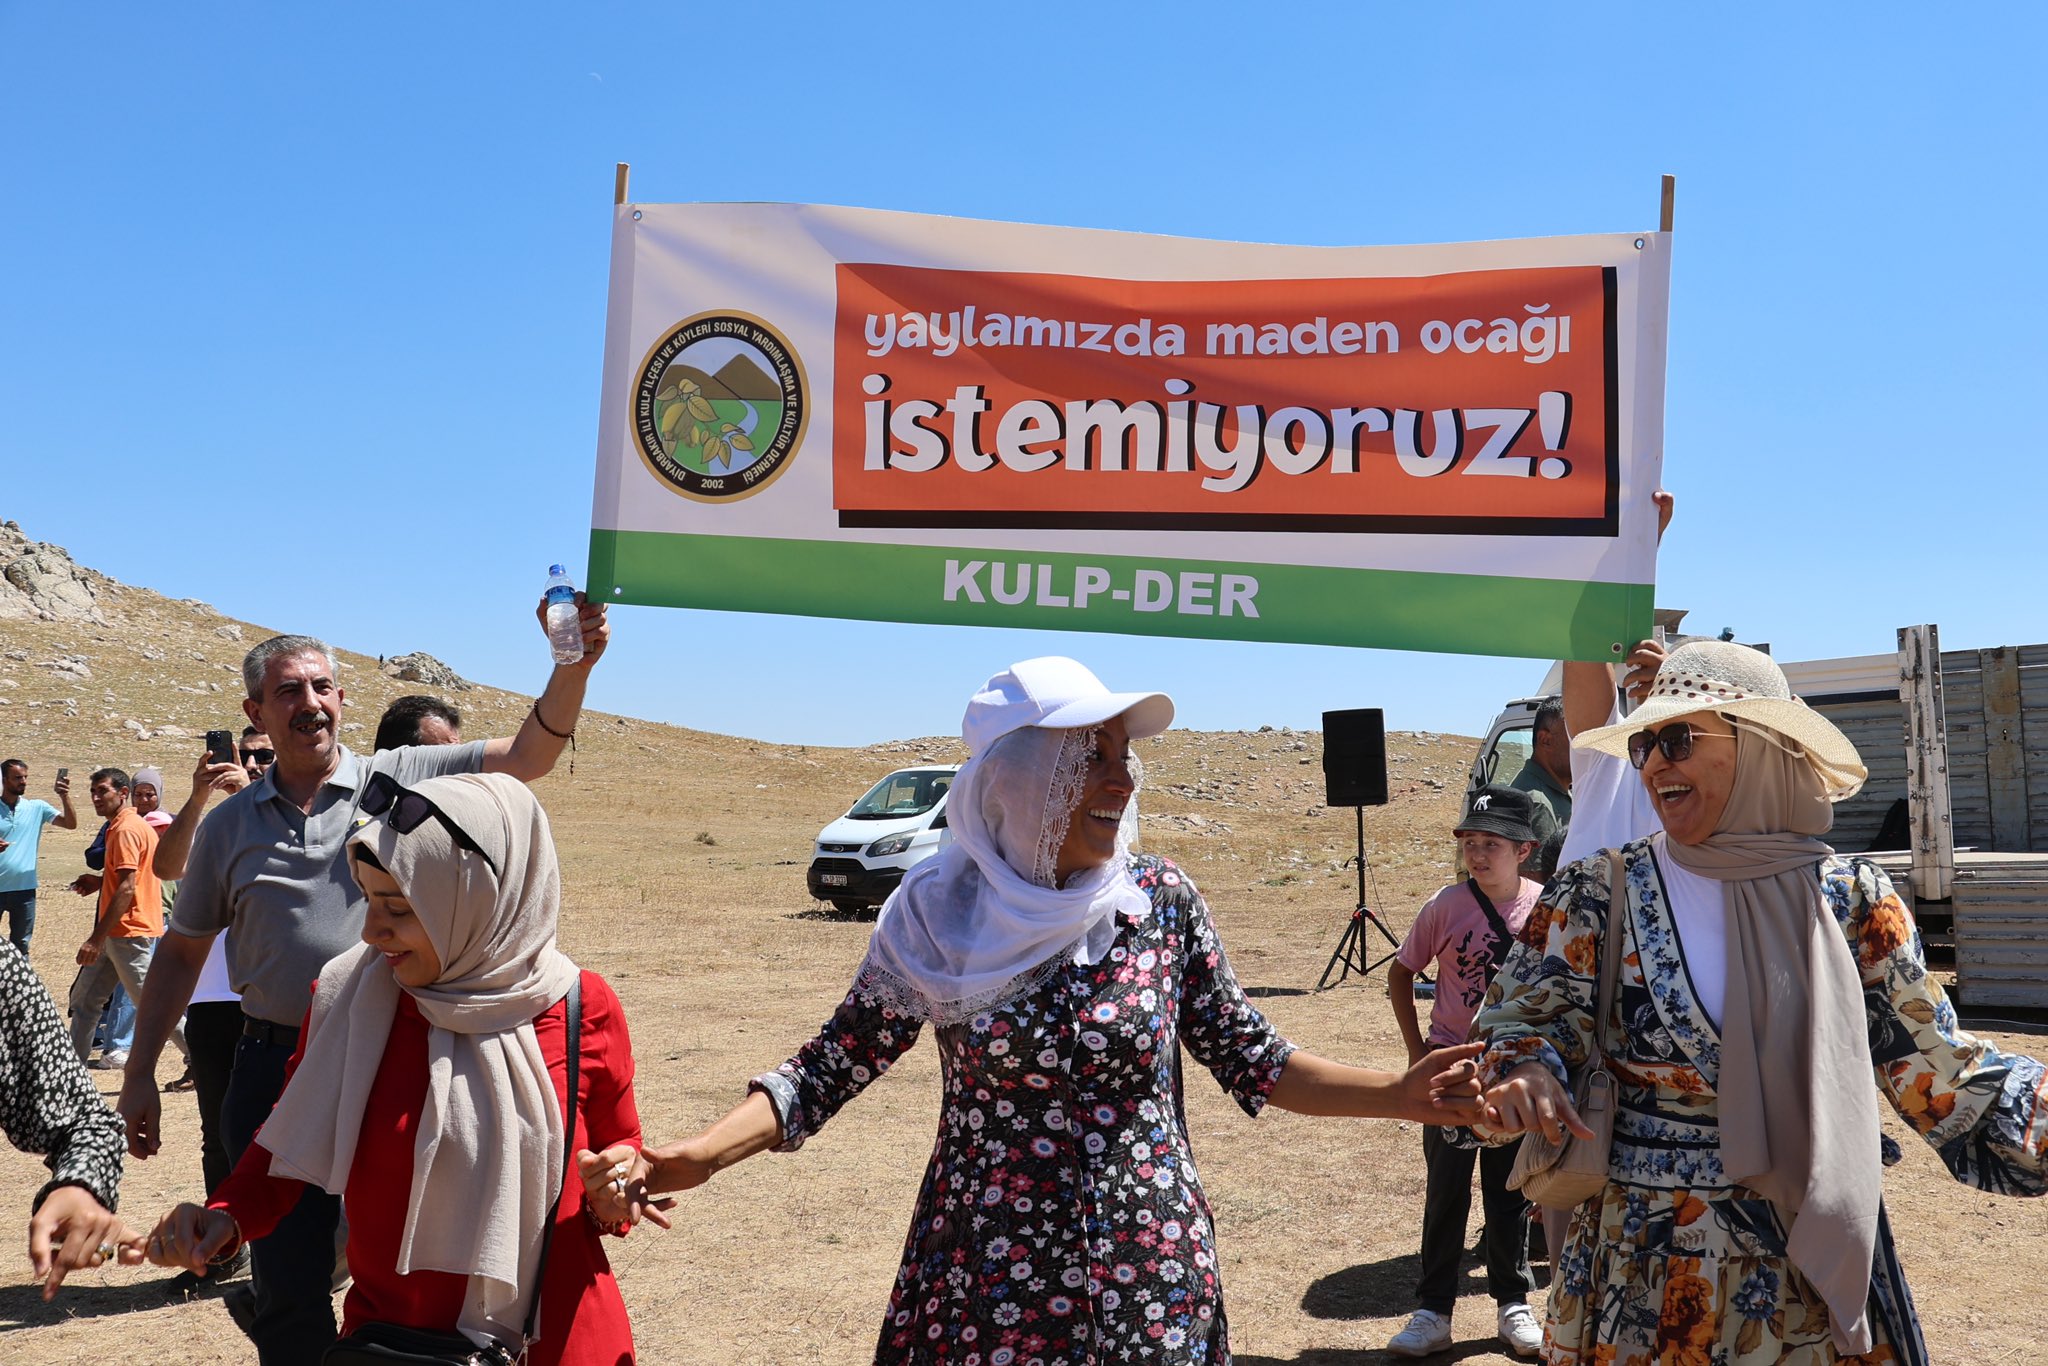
x=303, y=307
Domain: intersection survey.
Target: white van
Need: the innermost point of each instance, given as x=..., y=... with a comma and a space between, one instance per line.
x=901, y=822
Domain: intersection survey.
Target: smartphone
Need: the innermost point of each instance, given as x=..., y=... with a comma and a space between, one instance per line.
x=62, y=774
x=220, y=747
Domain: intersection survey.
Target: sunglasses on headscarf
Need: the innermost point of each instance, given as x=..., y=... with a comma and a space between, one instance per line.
x=405, y=811
x=1675, y=740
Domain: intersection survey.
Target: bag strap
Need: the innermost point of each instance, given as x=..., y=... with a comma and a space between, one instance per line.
x=572, y=1028
x=1610, y=953
x=1500, y=926
x=1503, y=938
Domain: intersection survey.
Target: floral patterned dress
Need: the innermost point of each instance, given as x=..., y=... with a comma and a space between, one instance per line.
x=1675, y=1263
x=1061, y=1221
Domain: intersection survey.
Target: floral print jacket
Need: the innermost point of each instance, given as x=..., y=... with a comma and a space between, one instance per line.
x=1061, y=1220
x=1675, y=1262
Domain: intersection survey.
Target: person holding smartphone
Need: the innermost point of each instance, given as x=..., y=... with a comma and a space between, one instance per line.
x=289, y=905
x=213, y=1019
x=22, y=819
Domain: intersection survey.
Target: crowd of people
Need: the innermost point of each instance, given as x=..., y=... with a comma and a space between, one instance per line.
x=400, y=1061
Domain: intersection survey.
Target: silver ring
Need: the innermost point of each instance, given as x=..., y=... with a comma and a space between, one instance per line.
x=105, y=1251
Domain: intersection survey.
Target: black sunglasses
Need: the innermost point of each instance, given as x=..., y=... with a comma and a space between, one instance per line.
x=261, y=756
x=405, y=810
x=1675, y=740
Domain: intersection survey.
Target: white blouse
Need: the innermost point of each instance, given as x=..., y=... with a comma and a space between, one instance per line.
x=1700, y=913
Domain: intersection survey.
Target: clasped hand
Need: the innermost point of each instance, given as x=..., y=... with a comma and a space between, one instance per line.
x=73, y=1231
x=615, y=1185
x=1531, y=1098
x=191, y=1236
x=1443, y=1086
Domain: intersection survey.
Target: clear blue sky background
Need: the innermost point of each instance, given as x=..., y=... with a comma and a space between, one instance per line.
x=303, y=306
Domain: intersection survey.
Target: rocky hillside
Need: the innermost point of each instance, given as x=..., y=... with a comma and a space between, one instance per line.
x=94, y=671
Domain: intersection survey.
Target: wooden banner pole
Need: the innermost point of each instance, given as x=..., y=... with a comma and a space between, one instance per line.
x=1663, y=220
x=619, y=187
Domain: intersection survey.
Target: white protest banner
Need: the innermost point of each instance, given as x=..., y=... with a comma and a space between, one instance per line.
x=856, y=413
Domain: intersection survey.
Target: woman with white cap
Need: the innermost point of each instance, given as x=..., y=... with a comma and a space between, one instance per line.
x=430, y=1092
x=1060, y=1219
x=1763, y=979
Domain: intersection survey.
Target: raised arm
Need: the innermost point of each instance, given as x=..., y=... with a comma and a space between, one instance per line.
x=174, y=843
x=551, y=721
x=1589, y=687
x=67, y=817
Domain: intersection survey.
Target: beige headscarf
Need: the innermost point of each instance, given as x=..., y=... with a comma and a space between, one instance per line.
x=1802, y=1130
x=487, y=1161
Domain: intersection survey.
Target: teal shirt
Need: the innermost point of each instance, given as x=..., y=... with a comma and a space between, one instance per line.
x=22, y=828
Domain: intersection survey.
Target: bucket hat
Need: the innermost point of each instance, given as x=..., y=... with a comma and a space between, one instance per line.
x=1498, y=809
x=1747, y=686
x=1057, y=693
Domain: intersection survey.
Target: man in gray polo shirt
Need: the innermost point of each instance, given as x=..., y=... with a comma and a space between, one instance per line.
x=270, y=864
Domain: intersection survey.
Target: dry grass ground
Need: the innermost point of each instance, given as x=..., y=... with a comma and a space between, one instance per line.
x=725, y=966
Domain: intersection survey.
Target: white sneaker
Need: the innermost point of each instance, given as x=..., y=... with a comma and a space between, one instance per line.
x=1519, y=1329
x=1428, y=1332
x=110, y=1062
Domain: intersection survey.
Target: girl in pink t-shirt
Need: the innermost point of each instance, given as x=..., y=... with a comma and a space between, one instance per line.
x=1465, y=930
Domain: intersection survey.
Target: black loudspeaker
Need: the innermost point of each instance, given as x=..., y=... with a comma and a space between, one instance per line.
x=1355, y=757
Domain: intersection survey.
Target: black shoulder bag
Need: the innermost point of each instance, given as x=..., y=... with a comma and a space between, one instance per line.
x=391, y=1344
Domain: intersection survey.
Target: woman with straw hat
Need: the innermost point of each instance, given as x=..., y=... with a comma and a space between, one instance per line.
x=1060, y=1220
x=1763, y=978
x=431, y=1092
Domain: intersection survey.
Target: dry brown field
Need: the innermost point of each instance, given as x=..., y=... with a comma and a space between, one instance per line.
x=683, y=857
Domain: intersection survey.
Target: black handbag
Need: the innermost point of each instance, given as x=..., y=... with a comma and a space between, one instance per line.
x=391, y=1344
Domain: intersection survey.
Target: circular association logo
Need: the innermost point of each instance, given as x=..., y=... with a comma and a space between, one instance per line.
x=718, y=407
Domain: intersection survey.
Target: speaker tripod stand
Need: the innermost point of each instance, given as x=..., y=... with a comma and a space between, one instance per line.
x=1355, y=947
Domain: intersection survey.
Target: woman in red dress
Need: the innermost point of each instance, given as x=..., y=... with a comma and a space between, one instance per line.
x=430, y=1089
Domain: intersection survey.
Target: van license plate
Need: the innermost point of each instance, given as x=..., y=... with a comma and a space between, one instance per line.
x=832, y=879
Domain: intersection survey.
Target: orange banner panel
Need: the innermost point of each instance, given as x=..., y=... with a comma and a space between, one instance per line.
x=1474, y=402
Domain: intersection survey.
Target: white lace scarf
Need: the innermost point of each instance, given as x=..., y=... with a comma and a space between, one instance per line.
x=983, y=924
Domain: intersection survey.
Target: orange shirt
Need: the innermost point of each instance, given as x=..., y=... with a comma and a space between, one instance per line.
x=132, y=844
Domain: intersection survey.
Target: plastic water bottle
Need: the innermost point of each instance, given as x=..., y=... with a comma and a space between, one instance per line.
x=565, y=625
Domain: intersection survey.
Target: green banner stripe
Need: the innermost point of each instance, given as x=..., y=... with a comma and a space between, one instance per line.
x=1135, y=595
